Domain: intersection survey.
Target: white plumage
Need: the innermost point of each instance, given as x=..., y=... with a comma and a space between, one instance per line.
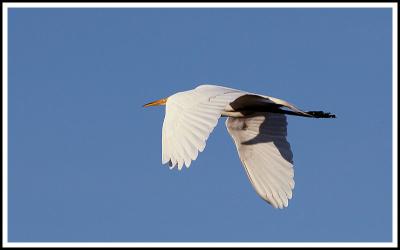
x=190, y=117
x=257, y=124
x=265, y=154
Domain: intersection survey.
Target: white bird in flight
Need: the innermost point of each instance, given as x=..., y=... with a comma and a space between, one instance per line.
x=257, y=124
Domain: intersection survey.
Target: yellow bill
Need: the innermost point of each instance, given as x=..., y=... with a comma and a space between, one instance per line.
x=156, y=103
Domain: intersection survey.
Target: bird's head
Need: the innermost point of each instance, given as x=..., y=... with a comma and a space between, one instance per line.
x=156, y=103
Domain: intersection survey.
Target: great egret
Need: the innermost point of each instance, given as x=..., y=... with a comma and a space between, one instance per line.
x=257, y=124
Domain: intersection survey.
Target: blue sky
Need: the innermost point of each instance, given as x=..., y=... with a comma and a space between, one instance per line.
x=85, y=157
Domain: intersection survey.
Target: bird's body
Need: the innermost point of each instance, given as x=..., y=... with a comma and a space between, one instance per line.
x=256, y=123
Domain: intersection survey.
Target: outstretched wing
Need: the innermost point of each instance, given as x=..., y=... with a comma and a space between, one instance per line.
x=251, y=103
x=265, y=154
x=190, y=117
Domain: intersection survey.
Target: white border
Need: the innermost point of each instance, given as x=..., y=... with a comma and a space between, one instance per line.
x=5, y=125
x=200, y=5
x=6, y=6
x=394, y=126
x=199, y=244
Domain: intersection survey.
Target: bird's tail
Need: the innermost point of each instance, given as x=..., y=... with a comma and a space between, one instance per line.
x=320, y=114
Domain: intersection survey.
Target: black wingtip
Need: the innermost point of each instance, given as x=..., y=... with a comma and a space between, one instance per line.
x=321, y=114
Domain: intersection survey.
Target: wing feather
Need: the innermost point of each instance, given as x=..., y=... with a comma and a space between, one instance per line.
x=262, y=182
x=190, y=117
x=266, y=155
